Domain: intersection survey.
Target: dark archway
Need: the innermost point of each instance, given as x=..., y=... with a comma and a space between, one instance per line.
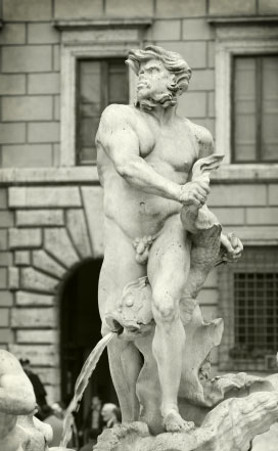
x=80, y=331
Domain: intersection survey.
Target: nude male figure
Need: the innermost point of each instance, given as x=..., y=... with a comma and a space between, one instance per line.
x=145, y=154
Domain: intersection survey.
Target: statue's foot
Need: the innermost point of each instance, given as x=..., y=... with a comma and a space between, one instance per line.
x=173, y=422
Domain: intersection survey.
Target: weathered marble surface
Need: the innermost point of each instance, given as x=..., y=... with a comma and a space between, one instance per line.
x=19, y=429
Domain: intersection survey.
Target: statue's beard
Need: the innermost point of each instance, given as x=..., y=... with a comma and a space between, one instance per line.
x=148, y=99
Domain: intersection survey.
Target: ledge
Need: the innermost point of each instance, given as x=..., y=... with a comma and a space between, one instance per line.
x=49, y=176
x=224, y=20
x=246, y=173
x=62, y=24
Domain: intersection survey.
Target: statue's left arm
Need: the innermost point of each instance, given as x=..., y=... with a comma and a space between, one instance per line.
x=230, y=242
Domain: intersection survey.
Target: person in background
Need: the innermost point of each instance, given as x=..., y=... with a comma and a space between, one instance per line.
x=38, y=387
x=93, y=422
x=92, y=437
x=56, y=423
x=111, y=415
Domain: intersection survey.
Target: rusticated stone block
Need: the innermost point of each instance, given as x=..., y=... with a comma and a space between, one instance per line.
x=43, y=261
x=20, y=10
x=22, y=258
x=193, y=105
x=6, y=259
x=31, y=279
x=27, y=156
x=132, y=8
x=262, y=215
x=273, y=194
x=25, y=238
x=44, y=132
x=42, y=33
x=39, y=217
x=33, y=317
x=3, y=240
x=12, y=84
x=3, y=198
x=197, y=30
x=12, y=132
x=13, y=33
x=6, y=219
x=6, y=335
x=33, y=299
x=13, y=278
x=93, y=202
x=70, y=9
x=27, y=108
x=6, y=299
x=229, y=216
x=36, y=336
x=237, y=195
x=237, y=7
x=43, y=355
x=77, y=227
x=44, y=84
x=161, y=28
x=268, y=7
x=29, y=58
x=44, y=197
x=4, y=317
x=203, y=80
x=177, y=8
x=195, y=53
x=58, y=244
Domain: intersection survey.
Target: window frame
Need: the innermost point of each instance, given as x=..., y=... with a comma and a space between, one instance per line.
x=91, y=40
x=258, y=144
x=226, y=310
x=238, y=39
x=104, y=62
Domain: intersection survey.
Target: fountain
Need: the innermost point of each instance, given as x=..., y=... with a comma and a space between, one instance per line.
x=161, y=242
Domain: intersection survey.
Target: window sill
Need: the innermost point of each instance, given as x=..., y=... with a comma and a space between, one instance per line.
x=246, y=173
x=49, y=176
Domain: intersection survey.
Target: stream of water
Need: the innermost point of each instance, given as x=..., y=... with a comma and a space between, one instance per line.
x=80, y=386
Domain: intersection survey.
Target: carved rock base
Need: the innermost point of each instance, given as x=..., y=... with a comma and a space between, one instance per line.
x=228, y=427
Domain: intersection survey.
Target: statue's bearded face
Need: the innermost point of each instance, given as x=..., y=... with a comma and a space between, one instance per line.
x=153, y=85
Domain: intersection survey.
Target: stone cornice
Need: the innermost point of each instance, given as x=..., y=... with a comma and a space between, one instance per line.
x=227, y=174
x=228, y=20
x=62, y=24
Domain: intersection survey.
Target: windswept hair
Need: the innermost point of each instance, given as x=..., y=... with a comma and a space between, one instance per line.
x=173, y=62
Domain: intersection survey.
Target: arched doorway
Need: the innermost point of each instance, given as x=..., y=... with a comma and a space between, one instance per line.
x=80, y=331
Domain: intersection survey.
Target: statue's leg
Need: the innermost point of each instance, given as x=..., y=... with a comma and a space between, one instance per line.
x=118, y=269
x=168, y=269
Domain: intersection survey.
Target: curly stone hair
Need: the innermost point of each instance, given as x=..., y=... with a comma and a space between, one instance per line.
x=172, y=61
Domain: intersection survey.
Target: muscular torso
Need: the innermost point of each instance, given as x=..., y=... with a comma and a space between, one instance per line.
x=170, y=150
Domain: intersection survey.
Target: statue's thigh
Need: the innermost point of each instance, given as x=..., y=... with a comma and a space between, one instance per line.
x=169, y=260
x=118, y=269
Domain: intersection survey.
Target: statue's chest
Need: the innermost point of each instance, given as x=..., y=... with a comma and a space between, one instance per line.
x=176, y=149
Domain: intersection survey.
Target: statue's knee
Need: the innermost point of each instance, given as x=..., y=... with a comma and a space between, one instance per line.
x=164, y=308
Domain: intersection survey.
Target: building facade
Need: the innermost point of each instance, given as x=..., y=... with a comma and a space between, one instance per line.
x=62, y=62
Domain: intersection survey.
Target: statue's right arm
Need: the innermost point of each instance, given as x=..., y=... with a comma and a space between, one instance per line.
x=120, y=142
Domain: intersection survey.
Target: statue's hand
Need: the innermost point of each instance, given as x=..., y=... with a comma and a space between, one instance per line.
x=233, y=247
x=195, y=193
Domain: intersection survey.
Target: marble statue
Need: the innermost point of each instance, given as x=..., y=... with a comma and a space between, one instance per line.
x=147, y=154
x=161, y=242
x=20, y=430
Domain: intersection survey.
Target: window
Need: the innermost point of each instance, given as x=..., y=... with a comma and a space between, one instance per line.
x=255, y=109
x=246, y=96
x=248, y=296
x=100, y=82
